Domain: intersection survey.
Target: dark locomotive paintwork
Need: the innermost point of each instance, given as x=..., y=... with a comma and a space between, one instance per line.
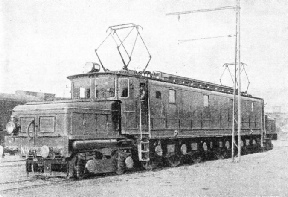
x=191, y=118
x=187, y=114
x=122, y=116
x=69, y=120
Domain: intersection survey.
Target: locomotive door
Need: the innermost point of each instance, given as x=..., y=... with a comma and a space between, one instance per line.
x=134, y=106
x=129, y=103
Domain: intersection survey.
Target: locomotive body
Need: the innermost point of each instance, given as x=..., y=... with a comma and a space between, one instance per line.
x=119, y=119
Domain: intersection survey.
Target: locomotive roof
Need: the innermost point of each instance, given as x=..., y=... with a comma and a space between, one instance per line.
x=165, y=77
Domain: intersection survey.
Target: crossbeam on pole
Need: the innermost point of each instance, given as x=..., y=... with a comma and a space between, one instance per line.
x=205, y=38
x=202, y=10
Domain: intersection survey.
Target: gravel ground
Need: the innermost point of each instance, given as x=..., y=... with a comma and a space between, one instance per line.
x=259, y=174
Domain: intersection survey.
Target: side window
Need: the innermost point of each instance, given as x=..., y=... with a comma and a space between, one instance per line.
x=205, y=100
x=81, y=89
x=84, y=92
x=104, y=87
x=252, y=106
x=158, y=94
x=124, y=88
x=172, y=96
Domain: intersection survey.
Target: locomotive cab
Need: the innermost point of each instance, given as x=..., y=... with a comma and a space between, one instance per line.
x=127, y=87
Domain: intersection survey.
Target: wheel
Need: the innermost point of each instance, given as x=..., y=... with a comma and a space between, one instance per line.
x=218, y=154
x=80, y=169
x=173, y=160
x=244, y=150
x=147, y=165
x=196, y=157
x=258, y=145
x=228, y=152
x=152, y=164
x=28, y=167
x=185, y=157
x=70, y=167
x=76, y=167
x=120, y=158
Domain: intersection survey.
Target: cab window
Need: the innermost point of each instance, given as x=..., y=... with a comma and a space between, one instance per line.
x=84, y=92
x=81, y=89
x=158, y=94
x=123, y=87
x=104, y=87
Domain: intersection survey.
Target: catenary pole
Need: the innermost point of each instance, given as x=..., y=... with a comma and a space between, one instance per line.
x=238, y=61
x=237, y=80
x=234, y=88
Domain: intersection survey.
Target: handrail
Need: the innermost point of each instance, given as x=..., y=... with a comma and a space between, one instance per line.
x=32, y=122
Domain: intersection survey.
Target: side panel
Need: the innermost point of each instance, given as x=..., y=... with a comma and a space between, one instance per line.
x=49, y=129
x=198, y=113
x=186, y=115
x=158, y=106
x=91, y=125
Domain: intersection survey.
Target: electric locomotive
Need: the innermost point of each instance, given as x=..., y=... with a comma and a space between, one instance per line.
x=117, y=120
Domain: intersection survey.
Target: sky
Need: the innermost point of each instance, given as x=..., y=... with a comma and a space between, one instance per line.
x=44, y=41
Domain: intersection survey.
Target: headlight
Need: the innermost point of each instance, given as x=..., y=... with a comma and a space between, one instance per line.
x=10, y=127
x=44, y=151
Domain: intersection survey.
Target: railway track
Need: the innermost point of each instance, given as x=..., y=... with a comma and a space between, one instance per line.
x=23, y=182
x=11, y=162
x=13, y=178
x=29, y=183
x=12, y=165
